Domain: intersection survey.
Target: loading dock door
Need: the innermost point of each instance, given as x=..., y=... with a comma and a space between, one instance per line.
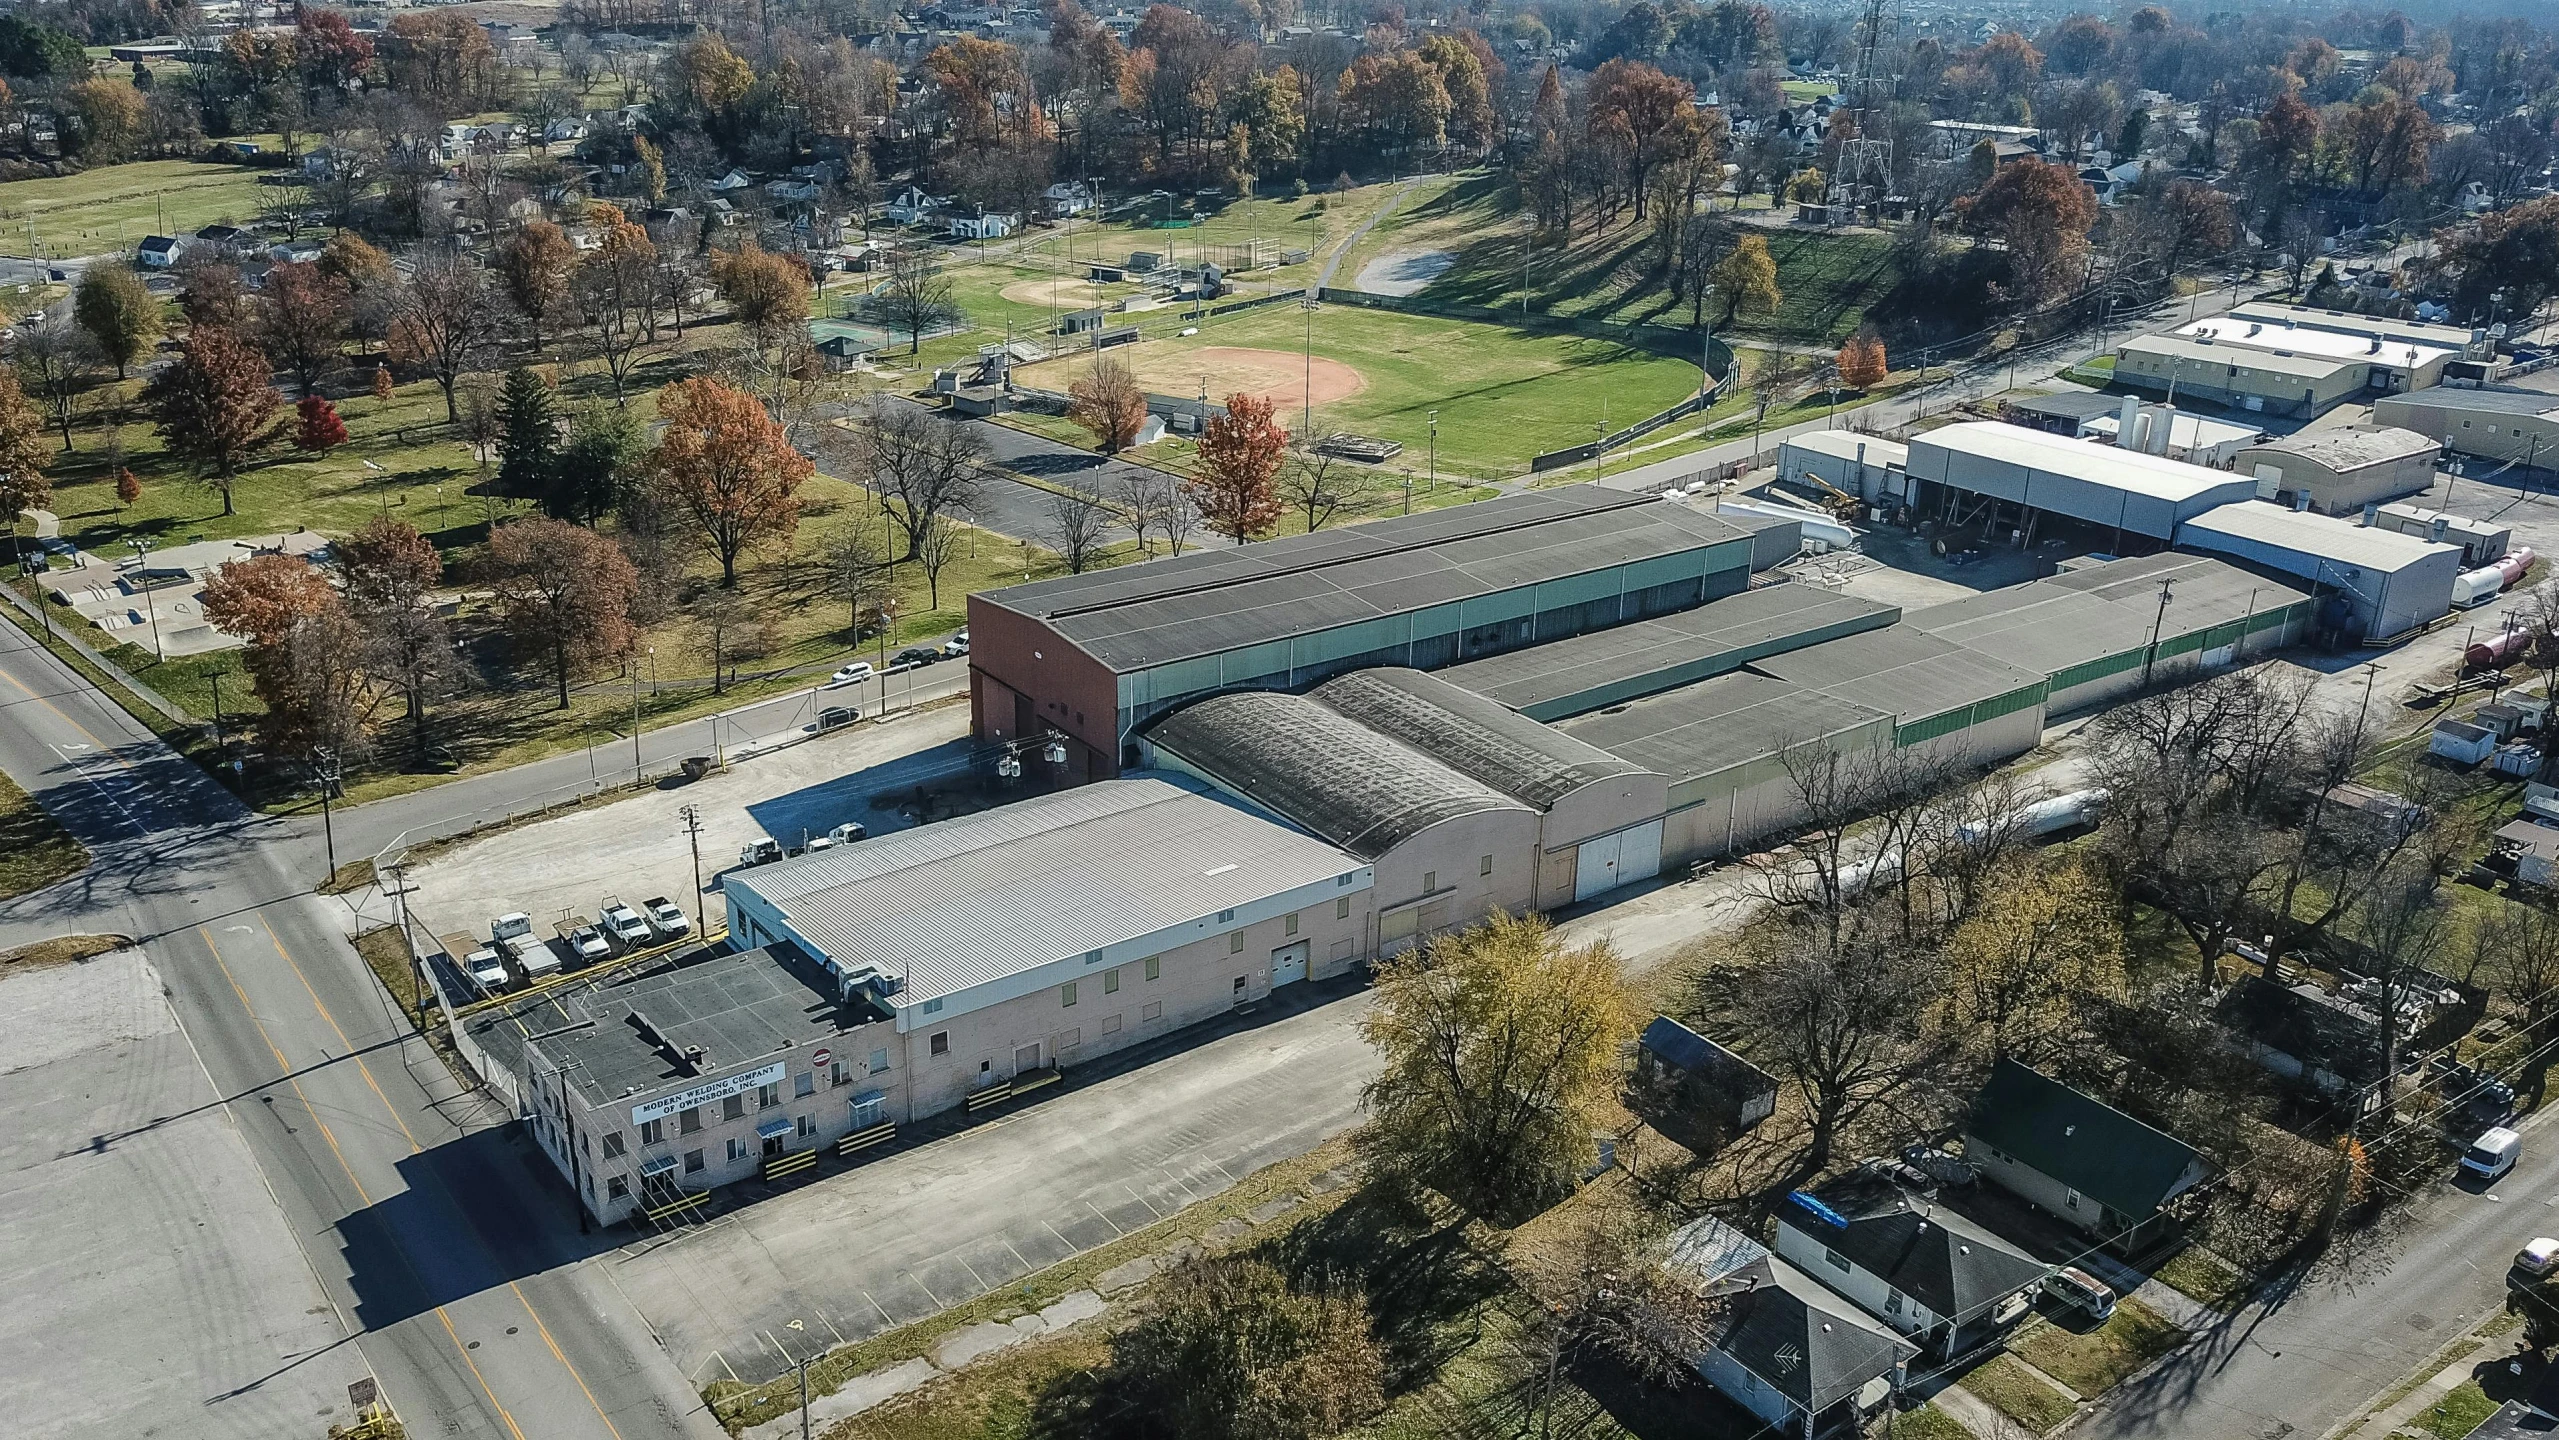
x=1634, y=853
x=1288, y=964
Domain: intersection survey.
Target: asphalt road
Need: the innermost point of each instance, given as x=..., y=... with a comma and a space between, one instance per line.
x=447, y=1266
x=2312, y=1355
x=1004, y=504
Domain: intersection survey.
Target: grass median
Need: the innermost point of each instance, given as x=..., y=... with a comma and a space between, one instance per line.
x=35, y=851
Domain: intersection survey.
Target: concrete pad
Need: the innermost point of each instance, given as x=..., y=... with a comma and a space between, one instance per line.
x=1181, y=1254
x=1121, y=1277
x=154, y=1288
x=861, y=1393
x=1270, y=1210
x=1073, y=1307
x=1227, y=1230
x=976, y=1342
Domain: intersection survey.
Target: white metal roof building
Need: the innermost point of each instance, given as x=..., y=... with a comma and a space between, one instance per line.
x=2503, y=423
x=971, y=912
x=2341, y=470
x=2272, y=382
x=1862, y=465
x=2096, y=485
x=2387, y=583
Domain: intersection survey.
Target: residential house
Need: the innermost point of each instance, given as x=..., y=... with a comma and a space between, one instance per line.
x=1786, y=1348
x=910, y=205
x=982, y=225
x=158, y=252
x=1917, y=1266
x=566, y=129
x=2303, y=1033
x=1068, y=197
x=734, y=180
x=2078, y=1159
x=222, y=237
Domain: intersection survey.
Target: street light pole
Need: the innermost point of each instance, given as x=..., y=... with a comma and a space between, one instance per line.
x=693, y=833
x=328, y=771
x=142, y=573
x=1434, y=456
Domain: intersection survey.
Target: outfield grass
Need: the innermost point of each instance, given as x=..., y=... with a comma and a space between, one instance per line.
x=2098, y=1361
x=35, y=850
x=1502, y=395
x=114, y=206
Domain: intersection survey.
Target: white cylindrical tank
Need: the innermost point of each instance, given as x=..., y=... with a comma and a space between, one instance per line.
x=1817, y=526
x=2477, y=587
x=2044, y=817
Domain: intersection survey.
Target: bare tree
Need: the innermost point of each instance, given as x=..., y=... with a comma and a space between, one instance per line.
x=927, y=465
x=1612, y=1288
x=57, y=364
x=444, y=320
x=916, y=297
x=1079, y=519
x=851, y=566
x=1319, y=486
x=935, y=549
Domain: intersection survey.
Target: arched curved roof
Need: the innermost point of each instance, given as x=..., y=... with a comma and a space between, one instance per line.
x=1493, y=743
x=1293, y=755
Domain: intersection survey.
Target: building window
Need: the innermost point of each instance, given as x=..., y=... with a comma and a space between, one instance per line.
x=767, y=1096
x=805, y=1083
x=612, y=1144
x=1225, y=917
x=941, y=1044
x=1154, y=966
x=835, y=1074
x=1430, y=881
x=1484, y=866
x=1291, y=927
x=1342, y=908
x=1092, y=957
x=1066, y=994
x=737, y=1150
x=807, y=1126
x=1837, y=1261
x=1235, y=943
x=590, y=1187
x=879, y=1061
x=617, y=1188
x=1110, y=982
x=689, y=1121
x=933, y=1006
x=692, y=1162
x=1154, y=1010
x=1341, y=880
x=733, y=1108
x=1239, y=984
x=652, y=1132
x=869, y=1110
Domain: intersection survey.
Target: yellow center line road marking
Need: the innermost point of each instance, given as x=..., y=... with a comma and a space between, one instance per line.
x=361, y=1193
x=415, y=1149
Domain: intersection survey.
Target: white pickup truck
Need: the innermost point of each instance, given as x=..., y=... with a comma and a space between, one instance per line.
x=513, y=935
x=628, y=928
x=668, y=917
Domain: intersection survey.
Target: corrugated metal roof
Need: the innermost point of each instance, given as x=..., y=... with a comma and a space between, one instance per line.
x=2311, y=317
x=1715, y=725
x=1737, y=626
x=1364, y=791
x=963, y=902
x=2083, y=615
x=2340, y=541
x=2349, y=447
x=1902, y=671
x=2152, y=475
x=1212, y=601
x=1844, y=445
x=2487, y=400
x=1523, y=759
x=2240, y=332
x=2202, y=591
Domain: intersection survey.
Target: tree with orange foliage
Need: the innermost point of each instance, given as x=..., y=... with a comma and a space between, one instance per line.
x=1240, y=456
x=317, y=427
x=566, y=593
x=1108, y=402
x=214, y=403
x=985, y=92
x=2042, y=212
x=1654, y=116
x=128, y=488
x=724, y=462
x=303, y=651
x=1861, y=362
x=767, y=293
x=535, y=264
x=382, y=385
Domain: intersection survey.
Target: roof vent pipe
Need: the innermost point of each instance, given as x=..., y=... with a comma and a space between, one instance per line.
x=2372, y=512
x=2442, y=523
x=2300, y=501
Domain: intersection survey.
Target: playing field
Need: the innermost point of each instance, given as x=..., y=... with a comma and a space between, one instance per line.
x=1501, y=395
x=111, y=208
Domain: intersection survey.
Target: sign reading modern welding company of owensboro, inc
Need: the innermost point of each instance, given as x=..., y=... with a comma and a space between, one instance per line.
x=708, y=1091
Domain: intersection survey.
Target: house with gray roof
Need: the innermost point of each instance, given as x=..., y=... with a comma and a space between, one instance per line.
x=1789, y=1350
x=2076, y=1157
x=1921, y=1268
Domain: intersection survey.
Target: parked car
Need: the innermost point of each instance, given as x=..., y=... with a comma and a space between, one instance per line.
x=957, y=646
x=762, y=850
x=917, y=655
x=853, y=674
x=814, y=844
x=586, y=944
x=537, y=960
x=666, y=918
x=2538, y=1256
x=2492, y=1154
x=2081, y=1291
x=835, y=715
x=848, y=832
x=487, y=969
x=626, y=926
x=509, y=927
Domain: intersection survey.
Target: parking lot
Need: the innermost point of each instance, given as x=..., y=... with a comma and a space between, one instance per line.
x=639, y=848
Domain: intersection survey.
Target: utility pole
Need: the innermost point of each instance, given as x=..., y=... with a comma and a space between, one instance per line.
x=2150, y=655
x=326, y=763
x=693, y=833
x=1408, y=508
x=142, y=572
x=417, y=967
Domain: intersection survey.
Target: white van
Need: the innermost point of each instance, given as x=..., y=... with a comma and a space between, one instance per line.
x=2492, y=1154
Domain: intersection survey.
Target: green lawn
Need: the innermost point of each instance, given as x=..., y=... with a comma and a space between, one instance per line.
x=114, y=206
x=2458, y=1413
x=1502, y=395
x=2201, y=1275
x=2006, y=1387
x=35, y=850
x=2096, y=1362
x=1929, y=1423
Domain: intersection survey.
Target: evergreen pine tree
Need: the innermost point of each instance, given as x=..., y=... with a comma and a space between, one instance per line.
x=529, y=438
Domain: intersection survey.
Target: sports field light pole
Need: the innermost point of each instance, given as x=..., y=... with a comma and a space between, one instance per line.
x=1434, y=456
x=1307, y=423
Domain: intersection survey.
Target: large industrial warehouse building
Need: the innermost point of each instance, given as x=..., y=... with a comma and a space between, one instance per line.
x=2026, y=475
x=1093, y=657
x=2491, y=422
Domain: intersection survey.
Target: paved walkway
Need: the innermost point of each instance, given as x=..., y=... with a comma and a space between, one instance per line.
x=1334, y=262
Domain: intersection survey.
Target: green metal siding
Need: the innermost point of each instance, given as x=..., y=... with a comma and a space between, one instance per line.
x=2092, y=670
